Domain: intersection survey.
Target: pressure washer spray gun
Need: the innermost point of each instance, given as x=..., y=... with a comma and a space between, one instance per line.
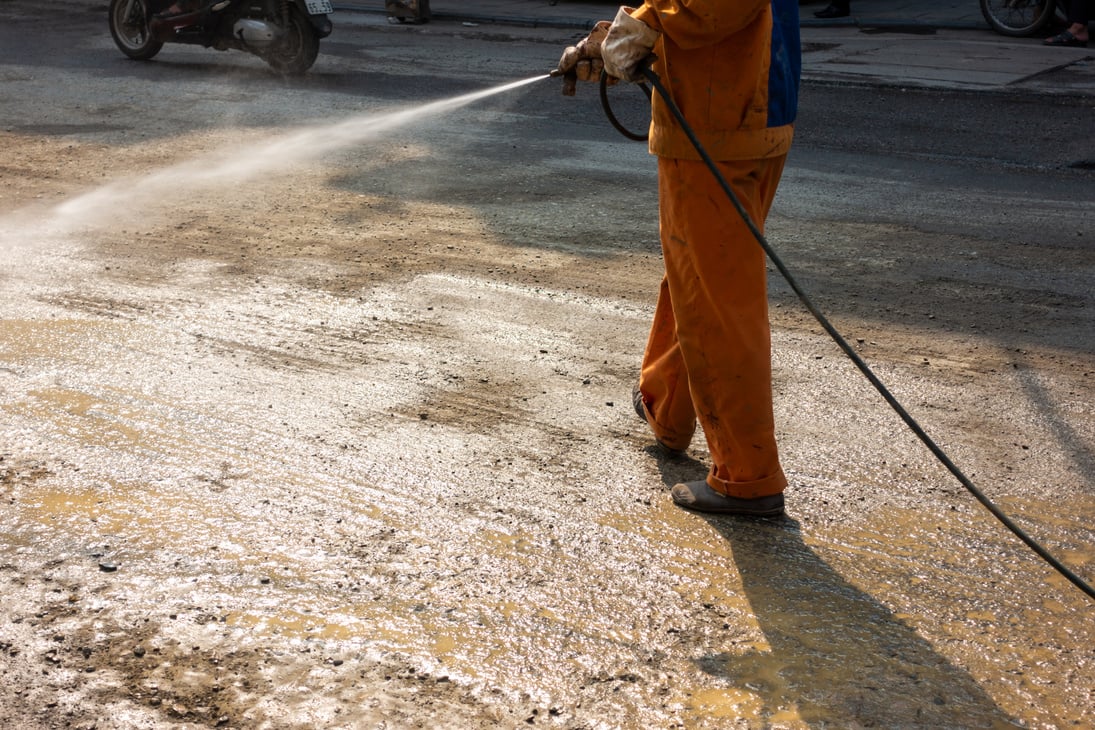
x=570, y=82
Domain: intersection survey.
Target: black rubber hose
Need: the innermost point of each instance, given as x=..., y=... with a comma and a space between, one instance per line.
x=1076, y=580
x=637, y=136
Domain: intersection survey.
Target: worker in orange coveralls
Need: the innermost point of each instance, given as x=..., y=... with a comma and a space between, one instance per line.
x=732, y=67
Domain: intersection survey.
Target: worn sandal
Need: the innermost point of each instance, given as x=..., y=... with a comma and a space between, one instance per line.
x=1065, y=38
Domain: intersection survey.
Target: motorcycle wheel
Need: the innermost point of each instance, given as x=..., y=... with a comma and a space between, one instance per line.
x=1018, y=18
x=129, y=25
x=297, y=51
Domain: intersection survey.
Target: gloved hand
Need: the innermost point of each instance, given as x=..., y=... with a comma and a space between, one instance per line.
x=583, y=61
x=629, y=41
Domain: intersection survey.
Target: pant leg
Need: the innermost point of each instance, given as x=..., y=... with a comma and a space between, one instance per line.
x=664, y=380
x=716, y=299
x=1079, y=11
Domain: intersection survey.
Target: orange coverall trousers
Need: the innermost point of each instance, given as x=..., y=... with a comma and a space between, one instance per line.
x=708, y=356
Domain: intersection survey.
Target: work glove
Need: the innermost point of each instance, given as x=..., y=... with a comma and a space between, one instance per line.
x=583, y=61
x=629, y=41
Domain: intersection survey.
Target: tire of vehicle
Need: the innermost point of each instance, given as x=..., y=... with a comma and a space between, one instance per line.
x=1018, y=18
x=131, y=33
x=297, y=51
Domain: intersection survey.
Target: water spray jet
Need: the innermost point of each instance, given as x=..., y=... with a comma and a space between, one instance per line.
x=105, y=204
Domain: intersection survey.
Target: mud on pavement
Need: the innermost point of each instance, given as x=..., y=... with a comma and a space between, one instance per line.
x=331, y=449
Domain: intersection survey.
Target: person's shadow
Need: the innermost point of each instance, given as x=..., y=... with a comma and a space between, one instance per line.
x=836, y=656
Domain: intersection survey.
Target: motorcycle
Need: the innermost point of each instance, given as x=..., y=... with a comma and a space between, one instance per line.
x=284, y=33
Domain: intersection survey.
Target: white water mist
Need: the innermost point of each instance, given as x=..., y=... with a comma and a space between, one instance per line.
x=225, y=167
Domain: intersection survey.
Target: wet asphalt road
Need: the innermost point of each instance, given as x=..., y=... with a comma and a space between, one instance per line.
x=347, y=442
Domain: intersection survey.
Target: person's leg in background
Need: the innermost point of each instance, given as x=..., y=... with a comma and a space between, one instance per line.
x=1078, y=17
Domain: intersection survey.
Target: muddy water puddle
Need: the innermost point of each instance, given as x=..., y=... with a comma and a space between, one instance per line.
x=739, y=623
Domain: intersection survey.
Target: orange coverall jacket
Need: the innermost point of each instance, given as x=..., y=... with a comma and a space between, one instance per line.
x=732, y=66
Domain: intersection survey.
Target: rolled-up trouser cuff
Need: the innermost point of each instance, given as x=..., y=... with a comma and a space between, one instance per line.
x=766, y=487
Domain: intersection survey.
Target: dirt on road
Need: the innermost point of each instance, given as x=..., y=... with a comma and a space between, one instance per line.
x=328, y=448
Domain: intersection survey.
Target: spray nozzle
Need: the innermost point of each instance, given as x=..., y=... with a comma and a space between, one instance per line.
x=570, y=80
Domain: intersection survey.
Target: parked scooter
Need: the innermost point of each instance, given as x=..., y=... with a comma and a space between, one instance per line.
x=284, y=33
